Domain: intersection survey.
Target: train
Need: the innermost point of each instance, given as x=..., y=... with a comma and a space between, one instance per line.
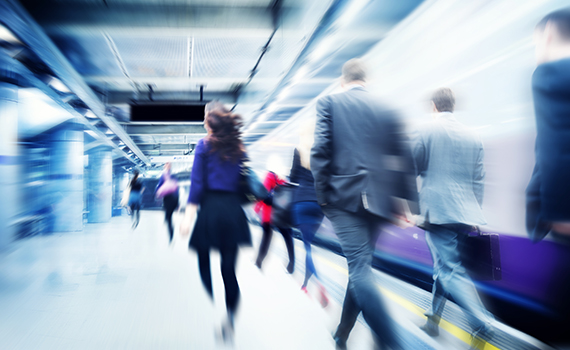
x=491, y=76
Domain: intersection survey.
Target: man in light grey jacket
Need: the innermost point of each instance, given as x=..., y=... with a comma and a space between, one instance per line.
x=449, y=160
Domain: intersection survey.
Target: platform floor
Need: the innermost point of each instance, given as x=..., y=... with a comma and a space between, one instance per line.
x=111, y=287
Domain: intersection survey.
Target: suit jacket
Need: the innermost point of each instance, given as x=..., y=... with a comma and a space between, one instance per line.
x=548, y=192
x=449, y=160
x=360, y=158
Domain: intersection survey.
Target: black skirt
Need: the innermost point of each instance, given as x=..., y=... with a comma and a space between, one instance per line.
x=221, y=222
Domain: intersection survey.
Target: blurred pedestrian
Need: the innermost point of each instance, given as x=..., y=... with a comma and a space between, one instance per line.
x=221, y=223
x=547, y=195
x=271, y=181
x=363, y=179
x=167, y=189
x=136, y=189
x=449, y=161
x=307, y=213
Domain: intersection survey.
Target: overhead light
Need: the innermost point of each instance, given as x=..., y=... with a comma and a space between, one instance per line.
x=7, y=35
x=59, y=85
x=109, y=132
x=90, y=115
x=91, y=133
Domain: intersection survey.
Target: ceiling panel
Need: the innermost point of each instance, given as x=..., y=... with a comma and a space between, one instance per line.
x=88, y=54
x=155, y=57
x=225, y=57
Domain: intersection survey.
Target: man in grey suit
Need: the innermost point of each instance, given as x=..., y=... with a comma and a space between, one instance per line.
x=449, y=160
x=364, y=176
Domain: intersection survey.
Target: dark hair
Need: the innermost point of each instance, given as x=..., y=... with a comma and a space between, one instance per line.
x=225, y=131
x=560, y=19
x=444, y=100
x=135, y=177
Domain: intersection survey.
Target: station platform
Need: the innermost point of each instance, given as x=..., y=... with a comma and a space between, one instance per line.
x=111, y=287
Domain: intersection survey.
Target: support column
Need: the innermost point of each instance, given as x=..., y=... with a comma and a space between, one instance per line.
x=119, y=185
x=66, y=175
x=9, y=165
x=100, y=185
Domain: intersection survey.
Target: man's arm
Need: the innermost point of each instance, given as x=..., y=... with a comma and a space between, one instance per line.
x=321, y=153
x=419, y=153
x=406, y=192
x=479, y=177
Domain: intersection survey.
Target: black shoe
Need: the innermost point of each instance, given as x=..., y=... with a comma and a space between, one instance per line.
x=291, y=267
x=340, y=344
x=430, y=328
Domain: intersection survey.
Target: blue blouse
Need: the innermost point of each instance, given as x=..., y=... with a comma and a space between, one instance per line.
x=211, y=172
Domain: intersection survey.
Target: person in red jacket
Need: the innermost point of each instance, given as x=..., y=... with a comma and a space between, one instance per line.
x=270, y=182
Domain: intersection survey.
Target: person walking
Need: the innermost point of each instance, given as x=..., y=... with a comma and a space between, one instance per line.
x=547, y=194
x=271, y=181
x=307, y=214
x=449, y=161
x=167, y=189
x=364, y=179
x=135, y=198
x=221, y=223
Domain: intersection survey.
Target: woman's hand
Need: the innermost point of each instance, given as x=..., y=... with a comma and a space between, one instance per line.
x=188, y=219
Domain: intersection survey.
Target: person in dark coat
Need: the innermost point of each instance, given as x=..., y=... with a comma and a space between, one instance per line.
x=221, y=223
x=548, y=192
x=364, y=179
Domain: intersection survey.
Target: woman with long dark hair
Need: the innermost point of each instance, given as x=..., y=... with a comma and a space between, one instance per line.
x=167, y=189
x=135, y=197
x=221, y=223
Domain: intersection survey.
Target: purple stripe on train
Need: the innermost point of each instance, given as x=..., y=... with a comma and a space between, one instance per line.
x=536, y=272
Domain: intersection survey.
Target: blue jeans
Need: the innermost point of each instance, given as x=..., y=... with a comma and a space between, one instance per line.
x=450, y=277
x=357, y=233
x=308, y=216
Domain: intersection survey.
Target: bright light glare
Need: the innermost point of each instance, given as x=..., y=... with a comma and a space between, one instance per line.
x=284, y=94
x=300, y=74
x=6, y=35
x=90, y=115
x=323, y=48
x=92, y=133
x=58, y=85
x=38, y=112
x=349, y=15
x=272, y=108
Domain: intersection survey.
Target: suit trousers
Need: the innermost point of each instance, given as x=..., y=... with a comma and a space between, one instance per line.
x=451, y=278
x=357, y=233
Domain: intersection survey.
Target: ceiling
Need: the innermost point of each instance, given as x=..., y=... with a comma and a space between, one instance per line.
x=265, y=58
